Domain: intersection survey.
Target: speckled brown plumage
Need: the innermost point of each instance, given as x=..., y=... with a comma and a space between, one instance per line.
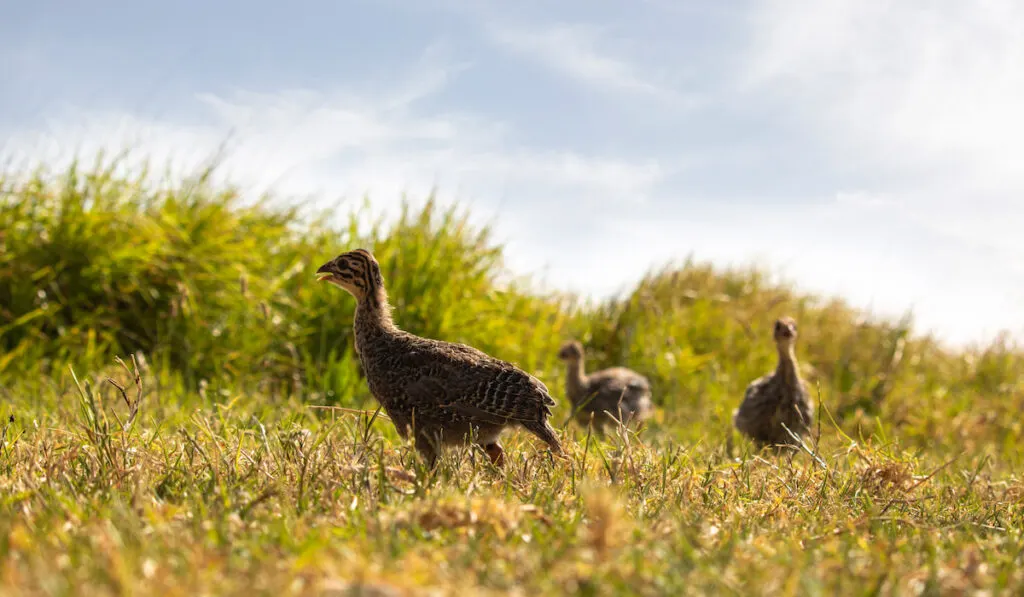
x=607, y=395
x=444, y=393
x=777, y=399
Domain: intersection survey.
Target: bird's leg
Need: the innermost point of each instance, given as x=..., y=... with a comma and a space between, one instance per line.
x=496, y=454
x=429, y=457
x=428, y=450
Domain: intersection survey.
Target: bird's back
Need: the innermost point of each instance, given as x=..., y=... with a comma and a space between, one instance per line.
x=615, y=388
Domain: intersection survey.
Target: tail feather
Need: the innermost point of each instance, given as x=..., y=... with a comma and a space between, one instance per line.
x=545, y=432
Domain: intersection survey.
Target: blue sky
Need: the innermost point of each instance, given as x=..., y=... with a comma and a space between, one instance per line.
x=855, y=147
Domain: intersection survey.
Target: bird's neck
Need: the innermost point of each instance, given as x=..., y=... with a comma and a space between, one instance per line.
x=373, y=316
x=574, y=377
x=787, y=368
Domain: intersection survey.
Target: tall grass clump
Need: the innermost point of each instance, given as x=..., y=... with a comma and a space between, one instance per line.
x=214, y=288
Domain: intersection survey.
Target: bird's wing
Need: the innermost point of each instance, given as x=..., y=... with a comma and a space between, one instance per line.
x=503, y=393
x=426, y=390
x=755, y=387
x=755, y=412
x=639, y=383
x=470, y=384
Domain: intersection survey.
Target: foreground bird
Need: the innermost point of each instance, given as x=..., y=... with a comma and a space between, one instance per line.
x=445, y=393
x=609, y=395
x=777, y=399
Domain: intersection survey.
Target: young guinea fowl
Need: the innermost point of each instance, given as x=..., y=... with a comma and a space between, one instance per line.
x=778, y=398
x=443, y=392
x=615, y=392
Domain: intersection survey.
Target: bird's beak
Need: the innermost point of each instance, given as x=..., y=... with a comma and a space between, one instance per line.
x=325, y=272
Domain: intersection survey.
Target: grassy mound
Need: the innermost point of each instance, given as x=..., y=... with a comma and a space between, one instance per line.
x=209, y=467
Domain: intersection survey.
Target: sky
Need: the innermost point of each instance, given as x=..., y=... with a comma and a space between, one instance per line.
x=862, y=148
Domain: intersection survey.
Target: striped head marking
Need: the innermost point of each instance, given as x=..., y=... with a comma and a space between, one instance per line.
x=355, y=271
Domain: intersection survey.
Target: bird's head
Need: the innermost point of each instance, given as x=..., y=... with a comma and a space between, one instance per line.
x=571, y=351
x=785, y=331
x=355, y=271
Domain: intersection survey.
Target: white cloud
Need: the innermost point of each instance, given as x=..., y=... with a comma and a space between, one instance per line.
x=341, y=140
x=929, y=87
x=861, y=249
x=348, y=144
x=922, y=99
x=575, y=51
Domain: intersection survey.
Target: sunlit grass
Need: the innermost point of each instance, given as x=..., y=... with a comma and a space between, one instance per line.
x=211, y=466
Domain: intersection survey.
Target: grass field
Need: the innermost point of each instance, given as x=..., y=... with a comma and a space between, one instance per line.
x=235, y=448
